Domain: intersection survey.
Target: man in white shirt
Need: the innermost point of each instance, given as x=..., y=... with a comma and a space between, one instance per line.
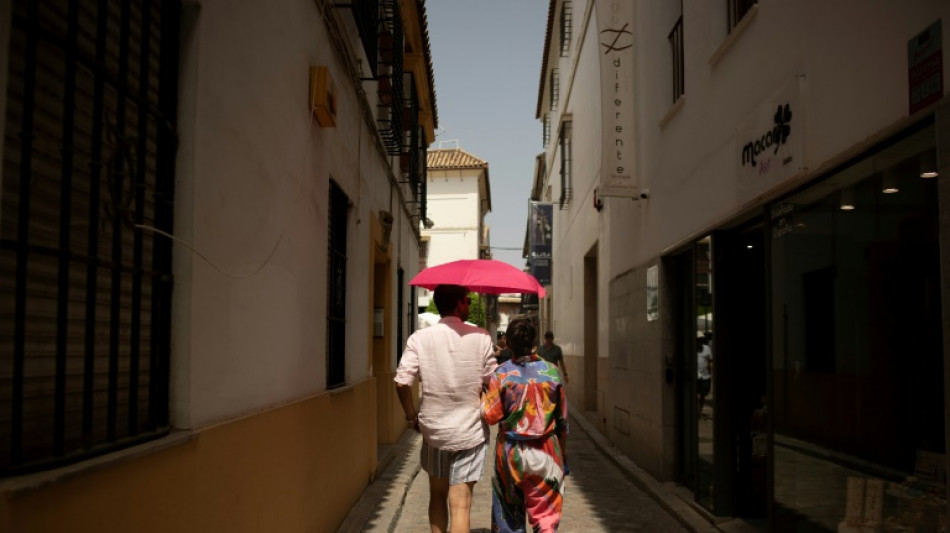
x=453, y=360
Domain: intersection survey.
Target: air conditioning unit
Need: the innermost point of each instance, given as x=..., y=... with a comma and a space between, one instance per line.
x=323, y=96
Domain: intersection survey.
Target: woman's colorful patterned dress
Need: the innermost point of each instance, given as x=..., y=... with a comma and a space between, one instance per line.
x=527, y=397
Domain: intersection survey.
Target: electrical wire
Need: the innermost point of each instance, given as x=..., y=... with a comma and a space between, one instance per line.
x=270, y=255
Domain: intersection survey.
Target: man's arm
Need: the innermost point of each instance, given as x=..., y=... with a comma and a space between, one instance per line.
x=563, y=364
x=408, y=405
x=406, y=374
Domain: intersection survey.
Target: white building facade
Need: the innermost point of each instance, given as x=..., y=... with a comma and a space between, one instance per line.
x=458, y=197
x=757, y=174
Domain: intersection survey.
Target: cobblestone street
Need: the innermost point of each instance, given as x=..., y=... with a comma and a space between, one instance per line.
x=599, y=497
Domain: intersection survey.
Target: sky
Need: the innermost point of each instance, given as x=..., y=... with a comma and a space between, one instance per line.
x=486, y=61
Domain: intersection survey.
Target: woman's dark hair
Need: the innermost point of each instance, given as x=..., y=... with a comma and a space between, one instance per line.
x=447, y=298
x=521, y=334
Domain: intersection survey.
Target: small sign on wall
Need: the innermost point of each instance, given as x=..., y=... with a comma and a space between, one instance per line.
x=378, y=322
x=925, y=67
x=653, y=293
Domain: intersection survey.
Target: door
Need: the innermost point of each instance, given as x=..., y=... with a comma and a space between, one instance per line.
x=739, y=372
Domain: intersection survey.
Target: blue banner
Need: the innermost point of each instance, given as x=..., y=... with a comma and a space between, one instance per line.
x=540, y=234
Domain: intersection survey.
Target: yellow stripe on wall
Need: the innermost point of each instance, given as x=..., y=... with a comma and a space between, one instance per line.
x=298, y=467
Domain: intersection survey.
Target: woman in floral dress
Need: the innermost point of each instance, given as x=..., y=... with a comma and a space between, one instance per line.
x=526, y=396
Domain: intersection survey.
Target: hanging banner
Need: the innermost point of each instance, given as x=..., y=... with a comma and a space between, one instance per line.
x=615, y=24
x=539, y=241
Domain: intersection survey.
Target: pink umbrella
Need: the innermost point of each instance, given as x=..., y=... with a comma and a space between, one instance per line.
x=485, y=276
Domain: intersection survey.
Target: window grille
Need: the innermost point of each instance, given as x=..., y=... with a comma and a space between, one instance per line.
x=85, y=291
x=676, y=47
x=336, y=288
x=566, y=27
x=390, y=83
x=737, y=9
x=555, y=88
x=546, y=130
x=567, y=185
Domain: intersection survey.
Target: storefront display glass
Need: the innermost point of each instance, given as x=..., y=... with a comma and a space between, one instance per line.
x=857, y=366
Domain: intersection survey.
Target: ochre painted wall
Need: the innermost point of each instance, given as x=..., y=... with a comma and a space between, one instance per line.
x=298, y=467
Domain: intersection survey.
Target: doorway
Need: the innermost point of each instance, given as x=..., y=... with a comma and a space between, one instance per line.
x=590, y=332
x=721, y=356
x=740, y=372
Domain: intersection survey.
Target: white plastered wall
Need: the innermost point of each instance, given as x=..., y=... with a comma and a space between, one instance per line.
x=252, y=197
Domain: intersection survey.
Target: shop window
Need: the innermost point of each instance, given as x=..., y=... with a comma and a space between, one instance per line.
x=857, y=362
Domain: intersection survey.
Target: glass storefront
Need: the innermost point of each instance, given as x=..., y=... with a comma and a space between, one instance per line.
x=857, y=365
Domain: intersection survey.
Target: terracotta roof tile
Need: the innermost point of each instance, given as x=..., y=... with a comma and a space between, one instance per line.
x=453, y=158
x=424, y=24
x=544, y=56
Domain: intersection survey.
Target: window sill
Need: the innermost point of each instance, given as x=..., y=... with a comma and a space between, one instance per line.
x=341, y=389
x=20, y=485
x=734, y=35
x=673, y=111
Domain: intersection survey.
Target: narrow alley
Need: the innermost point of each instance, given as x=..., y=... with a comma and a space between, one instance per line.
x=604, y=493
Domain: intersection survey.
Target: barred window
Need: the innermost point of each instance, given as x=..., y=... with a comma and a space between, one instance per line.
x=555, y=88
x=676, y=47
x=88, y=190
x=565, y=146
x=546, y=130
x=336, y=288
x=566, y=24
x=366, y=13
x=737, y=9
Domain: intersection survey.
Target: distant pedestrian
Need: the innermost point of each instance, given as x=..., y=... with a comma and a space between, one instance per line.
x=502, y=352
x=527, y=398
x=704, y=361
x=553, y=354
x=457, y=361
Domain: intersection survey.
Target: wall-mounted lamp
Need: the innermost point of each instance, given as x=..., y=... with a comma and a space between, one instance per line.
x=428, y=223
x=928, y=164
x=386, y=224
x=846, y=201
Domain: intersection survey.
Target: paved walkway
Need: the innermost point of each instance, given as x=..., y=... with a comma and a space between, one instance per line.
x=605, y=492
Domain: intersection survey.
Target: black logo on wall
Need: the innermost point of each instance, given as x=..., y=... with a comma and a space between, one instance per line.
x=776, y=137
x=616, y=45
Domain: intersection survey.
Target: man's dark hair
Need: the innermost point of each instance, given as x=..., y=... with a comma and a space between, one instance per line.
x=521, y=334
x=447, y=298
x=549, y=335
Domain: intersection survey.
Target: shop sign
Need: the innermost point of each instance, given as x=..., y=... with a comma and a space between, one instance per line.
x=615, y=20
x=539, y=241
x=925, y=68
x=769, y=147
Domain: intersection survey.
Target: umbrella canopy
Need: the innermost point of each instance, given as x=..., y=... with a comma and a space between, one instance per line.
x=485, y=276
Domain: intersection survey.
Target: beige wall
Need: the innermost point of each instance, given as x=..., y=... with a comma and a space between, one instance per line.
x=291, y=468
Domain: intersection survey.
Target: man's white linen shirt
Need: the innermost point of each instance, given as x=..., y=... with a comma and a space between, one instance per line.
x=452, y=359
